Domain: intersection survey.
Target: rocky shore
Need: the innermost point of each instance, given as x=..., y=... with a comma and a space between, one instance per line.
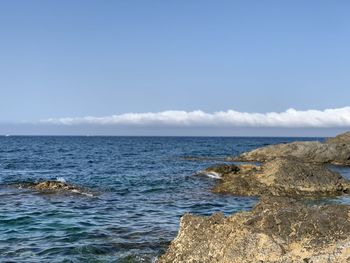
x=282, y=227
x=278, y=230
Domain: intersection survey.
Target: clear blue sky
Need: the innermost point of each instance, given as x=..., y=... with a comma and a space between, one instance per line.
x=99, y=58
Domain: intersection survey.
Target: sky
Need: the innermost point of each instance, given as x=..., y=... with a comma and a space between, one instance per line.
x=187, y=67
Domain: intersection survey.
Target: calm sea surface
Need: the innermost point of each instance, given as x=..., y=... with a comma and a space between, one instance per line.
x=141, y=186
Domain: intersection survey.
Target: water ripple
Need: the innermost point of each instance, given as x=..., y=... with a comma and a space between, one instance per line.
x=144, y=183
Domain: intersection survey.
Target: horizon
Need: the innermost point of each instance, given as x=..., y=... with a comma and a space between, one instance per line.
x=160, y=136
x=241, y=132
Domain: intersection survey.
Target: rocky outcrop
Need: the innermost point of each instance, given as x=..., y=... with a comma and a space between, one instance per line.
x=279, y=177
x=52, y=186
x=277, y=230
x=335, y=151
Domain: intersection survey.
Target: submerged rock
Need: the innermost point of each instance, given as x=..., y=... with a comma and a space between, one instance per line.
x=52, y=186
x=335, y=150
x=280, y=177
x=277, y=230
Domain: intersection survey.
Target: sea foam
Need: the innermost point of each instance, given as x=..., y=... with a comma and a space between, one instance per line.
x=213, y=175
x=61, y=179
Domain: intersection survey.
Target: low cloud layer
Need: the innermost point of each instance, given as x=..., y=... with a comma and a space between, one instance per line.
x=291, y=118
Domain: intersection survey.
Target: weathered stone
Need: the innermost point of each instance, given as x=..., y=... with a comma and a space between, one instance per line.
x=280, y=177
x=51, y=186
x=335, y=150
x=277, y=230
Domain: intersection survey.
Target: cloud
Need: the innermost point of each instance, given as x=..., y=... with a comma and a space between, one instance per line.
x=291, y=118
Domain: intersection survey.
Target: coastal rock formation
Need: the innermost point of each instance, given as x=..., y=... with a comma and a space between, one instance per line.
x=279, y=177
x=335, y=151
x=277, y=230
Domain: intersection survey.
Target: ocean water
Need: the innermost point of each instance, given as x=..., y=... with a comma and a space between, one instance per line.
x=140, y=188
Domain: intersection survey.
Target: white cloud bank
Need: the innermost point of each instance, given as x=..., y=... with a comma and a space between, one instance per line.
x=291, y=118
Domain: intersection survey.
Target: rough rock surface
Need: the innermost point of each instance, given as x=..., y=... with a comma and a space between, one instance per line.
x=335, y=150
x=54, y=187
x=277, y=230
x=280, y=177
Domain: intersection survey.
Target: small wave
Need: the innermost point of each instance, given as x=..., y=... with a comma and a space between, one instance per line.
x=202, y=158
x=76, y=191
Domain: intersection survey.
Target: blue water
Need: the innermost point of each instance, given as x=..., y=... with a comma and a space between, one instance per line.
x=141, y=186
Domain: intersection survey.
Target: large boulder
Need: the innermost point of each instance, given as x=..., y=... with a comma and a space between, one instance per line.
x=277, y=230
x=335, y=151
x=280, y=177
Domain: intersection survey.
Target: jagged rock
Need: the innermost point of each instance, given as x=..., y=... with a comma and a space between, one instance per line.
x=277, y=230
x=335, y=150
x=280, y=177
x=54, y=186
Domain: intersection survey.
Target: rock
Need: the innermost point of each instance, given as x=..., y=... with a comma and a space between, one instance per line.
x=223, y=169
x=51, y=186
x=54, y=186
x=277, y=230
x=335, y=151
x=280, y=177
x=339, y=139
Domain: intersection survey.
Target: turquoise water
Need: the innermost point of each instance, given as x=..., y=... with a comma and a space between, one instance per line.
x=141, y=186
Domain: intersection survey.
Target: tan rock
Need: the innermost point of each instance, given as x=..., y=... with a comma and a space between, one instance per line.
x=280, y=177
x=51, y=186
x=335, y=150
x=277, y=230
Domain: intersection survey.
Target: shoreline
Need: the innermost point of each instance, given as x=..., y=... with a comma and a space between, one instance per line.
x=280, y=228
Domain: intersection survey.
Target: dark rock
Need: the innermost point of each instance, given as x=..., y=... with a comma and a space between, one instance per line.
x=224, y=169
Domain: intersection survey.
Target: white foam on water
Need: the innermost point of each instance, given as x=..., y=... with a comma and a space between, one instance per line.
x=61, y=179
x=214, y=175
x=82, y=193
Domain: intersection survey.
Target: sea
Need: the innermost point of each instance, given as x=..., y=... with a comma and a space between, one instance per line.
x=137, y=189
